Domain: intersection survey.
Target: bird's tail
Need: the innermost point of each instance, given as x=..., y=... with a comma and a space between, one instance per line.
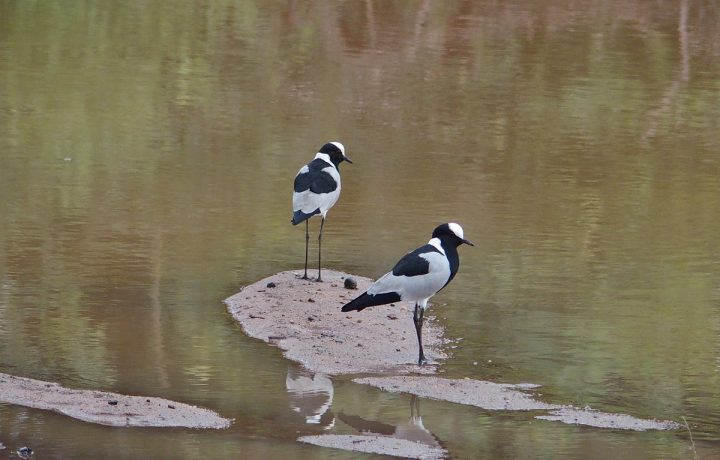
x=299, y=216
x=370, y=300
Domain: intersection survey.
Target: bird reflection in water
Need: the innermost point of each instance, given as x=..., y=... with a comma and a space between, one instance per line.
x=311, y=396
x=412, y=430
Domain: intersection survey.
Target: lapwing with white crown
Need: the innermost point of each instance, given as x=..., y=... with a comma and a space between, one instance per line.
x=317, y=188
x=419, y=275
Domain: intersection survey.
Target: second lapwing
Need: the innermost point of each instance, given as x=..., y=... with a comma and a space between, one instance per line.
x=419, y=275
x=316, y=190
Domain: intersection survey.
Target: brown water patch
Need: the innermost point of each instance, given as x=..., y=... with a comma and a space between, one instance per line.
x=106, y=408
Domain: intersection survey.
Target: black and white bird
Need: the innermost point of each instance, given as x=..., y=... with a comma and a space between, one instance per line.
x=317, y=188
x=419, y=275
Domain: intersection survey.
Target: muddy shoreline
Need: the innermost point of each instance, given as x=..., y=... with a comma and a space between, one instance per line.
x=303, y=319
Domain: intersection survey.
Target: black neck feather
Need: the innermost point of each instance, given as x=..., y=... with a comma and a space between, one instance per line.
x=451, y=252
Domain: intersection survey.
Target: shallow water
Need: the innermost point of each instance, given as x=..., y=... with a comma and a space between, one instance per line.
x=147, y=153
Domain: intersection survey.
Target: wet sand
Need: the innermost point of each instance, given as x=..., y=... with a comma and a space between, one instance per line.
x=383, y=445
x=509, y=397
x=486, y=395
x=106, y=408
x=591, y=417
x=303, y=318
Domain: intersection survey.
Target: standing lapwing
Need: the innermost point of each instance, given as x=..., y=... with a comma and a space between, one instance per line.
x=419, y=275
x=317, y=188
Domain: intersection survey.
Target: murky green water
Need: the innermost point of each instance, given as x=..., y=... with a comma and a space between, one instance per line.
x=147, y=153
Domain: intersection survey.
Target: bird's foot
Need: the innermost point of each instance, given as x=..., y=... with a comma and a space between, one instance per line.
x=318, y=280
x=304, y=277
x=422, y=361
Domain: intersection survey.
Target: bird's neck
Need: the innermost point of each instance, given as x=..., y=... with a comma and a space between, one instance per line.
x=326, y=158
x=451, y=253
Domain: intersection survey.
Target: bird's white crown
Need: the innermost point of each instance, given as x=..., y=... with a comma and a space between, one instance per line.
x=456, y=229
x=340, y=146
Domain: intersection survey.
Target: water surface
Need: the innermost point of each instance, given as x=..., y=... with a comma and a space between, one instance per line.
x=147, y=153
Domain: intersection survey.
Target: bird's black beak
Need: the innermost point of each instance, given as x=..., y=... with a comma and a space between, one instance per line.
x=347, y=159
x=468, y=242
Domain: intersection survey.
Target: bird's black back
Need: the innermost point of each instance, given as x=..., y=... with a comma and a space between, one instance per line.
x=412, y=264
x=315, y=179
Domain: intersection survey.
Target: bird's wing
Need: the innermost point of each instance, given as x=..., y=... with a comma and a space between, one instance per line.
x=418, y=275
x=412, y=264
x=318, y=181
x=316, y=187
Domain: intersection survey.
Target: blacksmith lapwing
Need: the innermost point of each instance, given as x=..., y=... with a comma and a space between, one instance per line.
x=317, y=188
x=419, y=275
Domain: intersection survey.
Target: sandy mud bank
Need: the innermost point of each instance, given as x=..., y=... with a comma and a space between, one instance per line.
x=106, y=408
x=383, y=445
x=510, y=397
x=303, y=318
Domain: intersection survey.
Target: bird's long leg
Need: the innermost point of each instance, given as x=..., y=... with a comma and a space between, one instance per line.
x=418, y=319
x=414, y=406
x=322, y=223
x=307, y=241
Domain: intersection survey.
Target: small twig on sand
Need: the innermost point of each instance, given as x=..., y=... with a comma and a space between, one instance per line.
x=692, y=442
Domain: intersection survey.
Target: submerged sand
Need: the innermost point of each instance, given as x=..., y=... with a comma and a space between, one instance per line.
x=598, y=419
x=510, y=397
x=106, y=408
x=478, y=393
